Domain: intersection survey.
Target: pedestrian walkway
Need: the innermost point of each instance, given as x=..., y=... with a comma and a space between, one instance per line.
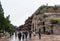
x=46, y=38
x=50, y=38
x=4, y=39
x=36, y=38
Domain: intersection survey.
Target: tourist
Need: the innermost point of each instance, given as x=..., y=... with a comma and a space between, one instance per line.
x=26, y=34
x=19, y=36
x=34, y=34
x=30, y=34
x=39, y=33
x=23, y=36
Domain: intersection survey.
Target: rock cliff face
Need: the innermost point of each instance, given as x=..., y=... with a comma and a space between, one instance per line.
x=42, y=19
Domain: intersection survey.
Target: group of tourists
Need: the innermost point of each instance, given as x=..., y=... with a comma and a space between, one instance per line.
x=24, y=34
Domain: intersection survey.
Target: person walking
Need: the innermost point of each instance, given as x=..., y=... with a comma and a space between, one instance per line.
x=39, y=33
x=19, y=36
x=34, y=33
x=30, y=34
x=23, y=36
x=26, y=34
x=16, y=33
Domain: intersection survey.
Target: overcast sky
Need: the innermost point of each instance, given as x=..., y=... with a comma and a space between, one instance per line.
x=20, y=10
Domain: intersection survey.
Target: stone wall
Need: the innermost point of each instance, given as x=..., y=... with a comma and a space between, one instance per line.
x=41, y=18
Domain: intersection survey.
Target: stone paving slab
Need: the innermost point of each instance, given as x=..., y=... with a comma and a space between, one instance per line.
x=3, y=39
x=46, y=38
x=43, y=38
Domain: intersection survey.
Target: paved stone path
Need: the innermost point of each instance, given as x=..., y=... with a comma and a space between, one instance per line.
x=43, y=38
x=50, y=38
x=46, y=38
x=4, y=39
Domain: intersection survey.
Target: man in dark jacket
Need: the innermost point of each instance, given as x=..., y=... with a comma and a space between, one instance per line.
x=19, y=36
x=39, y=33
x=30, y=34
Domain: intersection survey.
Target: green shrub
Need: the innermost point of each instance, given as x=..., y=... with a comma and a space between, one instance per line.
x=55, y=20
